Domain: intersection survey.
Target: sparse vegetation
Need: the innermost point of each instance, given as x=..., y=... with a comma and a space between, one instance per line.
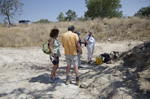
x=104, y=29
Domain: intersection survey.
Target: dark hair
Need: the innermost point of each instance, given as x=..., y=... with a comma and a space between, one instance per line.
x=54, y=32
x=71, y=28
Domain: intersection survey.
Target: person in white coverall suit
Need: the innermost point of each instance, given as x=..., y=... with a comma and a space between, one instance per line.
x=90, y=44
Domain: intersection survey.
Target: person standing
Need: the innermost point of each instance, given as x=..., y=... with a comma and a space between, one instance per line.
x=90, y=44
x=79, y=55
x=54, y=47
x=70, y=43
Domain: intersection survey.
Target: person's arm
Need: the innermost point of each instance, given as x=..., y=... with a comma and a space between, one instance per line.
x=82, y=42
x=62, y=40
x=85, y=41
x=79, y=47
x=51, y=42
x=78, y=44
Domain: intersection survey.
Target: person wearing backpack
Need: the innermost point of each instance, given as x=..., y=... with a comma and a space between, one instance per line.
x=90, y=44
x=54, y=47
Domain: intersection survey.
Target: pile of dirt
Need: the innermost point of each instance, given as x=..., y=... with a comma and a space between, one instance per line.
x=138, y=57
x=127, y=78
x=138, y=62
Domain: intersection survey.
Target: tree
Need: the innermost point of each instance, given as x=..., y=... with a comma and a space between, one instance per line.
x=71, y=15
x=10, y=8
x=82, y=18
x=143, y=12
x=103, y=8
x=43, y=21
x=61, y=17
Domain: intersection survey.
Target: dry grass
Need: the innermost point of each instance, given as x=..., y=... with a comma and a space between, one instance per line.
x=115, y=29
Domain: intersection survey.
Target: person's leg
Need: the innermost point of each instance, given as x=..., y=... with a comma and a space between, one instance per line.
x=89, y=59
x=68, y=61
x=53, y=71
x=68, y=79
x=79, y=60
x=89, y=48
x=57, y=65
x=77, y=74
x=92, y=51
x=75, y=64
x=76, y=71
x=51, y=79
x=68, y=71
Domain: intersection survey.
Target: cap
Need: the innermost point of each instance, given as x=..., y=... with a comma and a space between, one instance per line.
x=90, y=31
x=77, y=32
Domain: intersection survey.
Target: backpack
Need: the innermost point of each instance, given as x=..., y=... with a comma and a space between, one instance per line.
x=45, y=48
x=106, y=57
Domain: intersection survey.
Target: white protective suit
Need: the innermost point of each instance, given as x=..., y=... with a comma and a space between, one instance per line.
x=90, y=46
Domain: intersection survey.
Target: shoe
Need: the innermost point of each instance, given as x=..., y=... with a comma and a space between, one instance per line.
x=51, y=80
x=68, y=81
x=56, y=78
x=89, y=61
x=80, y=67
x=77, y=82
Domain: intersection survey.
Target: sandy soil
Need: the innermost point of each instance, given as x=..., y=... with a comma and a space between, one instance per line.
x=24, y=74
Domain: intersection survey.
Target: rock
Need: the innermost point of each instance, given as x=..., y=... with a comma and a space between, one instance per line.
x=84, y=85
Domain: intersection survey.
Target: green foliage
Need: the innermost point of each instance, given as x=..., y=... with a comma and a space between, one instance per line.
x=83, y=18
x=103, y=8
x=143, y=12
x=43, y=21
x=10, y=8
x=71, y=15
x=61, y=17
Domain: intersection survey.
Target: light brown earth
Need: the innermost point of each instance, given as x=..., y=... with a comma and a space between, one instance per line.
x=24, y=74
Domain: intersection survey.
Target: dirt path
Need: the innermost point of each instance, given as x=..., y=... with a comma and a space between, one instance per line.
x=24, y=73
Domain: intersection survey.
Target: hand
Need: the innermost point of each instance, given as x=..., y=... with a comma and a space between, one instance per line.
x=55, y=58
x=80, y=52
x=80, y=55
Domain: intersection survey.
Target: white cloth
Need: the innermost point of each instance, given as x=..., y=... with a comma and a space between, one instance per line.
x=90, y=46
x=91, y=40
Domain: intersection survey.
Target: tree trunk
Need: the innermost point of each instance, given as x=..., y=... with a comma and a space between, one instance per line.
x=9, y=20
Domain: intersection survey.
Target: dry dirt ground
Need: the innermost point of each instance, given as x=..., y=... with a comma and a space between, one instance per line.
x=24, y=74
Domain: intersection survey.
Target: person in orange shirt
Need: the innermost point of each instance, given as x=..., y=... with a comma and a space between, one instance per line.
x=70, y=43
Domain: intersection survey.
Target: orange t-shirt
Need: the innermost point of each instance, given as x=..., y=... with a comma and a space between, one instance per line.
x=69, y=40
